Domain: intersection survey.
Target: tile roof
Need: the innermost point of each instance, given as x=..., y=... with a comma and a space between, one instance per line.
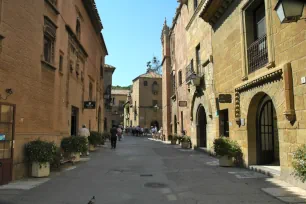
x=120, y=92
x=149, y=75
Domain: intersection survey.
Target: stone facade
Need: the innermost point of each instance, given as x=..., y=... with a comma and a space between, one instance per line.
x=117, y=109
x=52, y=58
x=276, y=82
x=144, y=107
x=247, y=85
x=191, y=57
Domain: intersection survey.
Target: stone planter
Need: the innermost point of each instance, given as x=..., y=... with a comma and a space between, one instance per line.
x=226, y=161
x=185, y=145
x=173, y=142
x=92, y=148
x=76, y=156
x=40, y=169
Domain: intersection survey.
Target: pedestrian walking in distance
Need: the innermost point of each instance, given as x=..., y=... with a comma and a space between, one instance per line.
x=84, y=132
x=113, y=132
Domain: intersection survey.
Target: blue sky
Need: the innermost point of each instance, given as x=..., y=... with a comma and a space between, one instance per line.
x=132, y=31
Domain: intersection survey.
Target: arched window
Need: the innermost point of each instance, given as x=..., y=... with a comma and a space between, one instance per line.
x=155, y=88
x=78, y=29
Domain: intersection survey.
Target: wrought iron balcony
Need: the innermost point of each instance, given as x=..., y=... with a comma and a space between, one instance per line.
x=258, y=54
x=193, y=75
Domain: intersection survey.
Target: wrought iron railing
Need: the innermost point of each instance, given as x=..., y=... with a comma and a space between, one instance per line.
x=190, y=73
x=258, y=54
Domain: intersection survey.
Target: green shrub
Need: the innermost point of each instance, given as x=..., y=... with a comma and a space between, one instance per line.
x=169, y=137
x=223, y=146
x=179, y=138
x=56, y=162
x=74, y=144
x=106, y=135
x=95, y=138
x=299, y=163
x=40, y=151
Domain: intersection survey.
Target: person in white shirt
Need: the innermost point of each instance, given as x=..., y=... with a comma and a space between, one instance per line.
x=84, y=132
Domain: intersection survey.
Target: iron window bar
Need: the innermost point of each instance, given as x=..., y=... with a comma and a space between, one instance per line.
x=258, y=54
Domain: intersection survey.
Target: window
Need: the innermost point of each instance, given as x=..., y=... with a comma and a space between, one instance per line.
x=256, y=35
x=198, y=59
x=155, y=88
x=180, y=78
x=173, y=84
x=49, y=40
x=145, y=83
x=195, y=4
x=121, y=103
x=113, y=101
x=78, y=29
x=61, y=60
x=154, y=103
x=90, y=91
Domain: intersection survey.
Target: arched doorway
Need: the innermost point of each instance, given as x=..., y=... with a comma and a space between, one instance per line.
x=175, y=125
x=155, y=123
x=201, y=127
x=266, y=136
x=105, y=124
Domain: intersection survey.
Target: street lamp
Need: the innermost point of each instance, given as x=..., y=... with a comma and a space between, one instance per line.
x=289, y=10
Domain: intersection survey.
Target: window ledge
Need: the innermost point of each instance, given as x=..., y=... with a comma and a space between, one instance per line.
x=48, y=65
x=53, y=7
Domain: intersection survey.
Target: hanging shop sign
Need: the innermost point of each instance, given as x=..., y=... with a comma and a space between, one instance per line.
x=89, y=104
x=225, y=98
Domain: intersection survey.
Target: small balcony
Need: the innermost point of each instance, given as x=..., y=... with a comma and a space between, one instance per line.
x=258, y=54
x=194, y=75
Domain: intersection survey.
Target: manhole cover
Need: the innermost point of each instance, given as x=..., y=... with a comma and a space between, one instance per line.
x=155, y=185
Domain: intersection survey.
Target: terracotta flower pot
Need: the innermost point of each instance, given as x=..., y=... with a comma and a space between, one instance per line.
x=185, y=145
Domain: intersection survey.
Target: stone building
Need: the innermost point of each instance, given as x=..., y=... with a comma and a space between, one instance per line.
x=189, y=99
x=259, y=67
x=108, y=81
x=51, y=61
x=118, y=99
x=144, y=105
x=244, y=79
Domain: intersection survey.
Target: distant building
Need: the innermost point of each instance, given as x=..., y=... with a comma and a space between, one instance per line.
x=108, y=81
x=115, y=115
x=144, y=105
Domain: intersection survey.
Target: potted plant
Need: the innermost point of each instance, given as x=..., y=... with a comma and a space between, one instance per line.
x=105, y=135
x=94, y=139
x=185, y=142
x=179, y=138
x=74, y=145
x=299, y=163
x=227, y=150
x=40, y=154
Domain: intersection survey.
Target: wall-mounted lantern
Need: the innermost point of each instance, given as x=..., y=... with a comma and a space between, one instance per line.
x=289, y=10
x=8, y=93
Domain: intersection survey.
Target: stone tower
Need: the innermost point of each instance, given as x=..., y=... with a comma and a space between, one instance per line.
x=166, y=80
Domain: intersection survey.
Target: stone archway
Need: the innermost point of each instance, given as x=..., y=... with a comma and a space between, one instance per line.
x=263, y=140
x=201, y=127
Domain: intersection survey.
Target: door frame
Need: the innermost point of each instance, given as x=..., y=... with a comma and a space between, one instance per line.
x=76, y=121
x=11, y=160
x=199, y=125
x=259, y=149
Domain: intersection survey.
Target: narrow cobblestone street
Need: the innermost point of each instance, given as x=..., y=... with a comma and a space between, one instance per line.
x=143, y=171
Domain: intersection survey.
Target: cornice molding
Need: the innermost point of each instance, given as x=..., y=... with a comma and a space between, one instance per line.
x=195, y=14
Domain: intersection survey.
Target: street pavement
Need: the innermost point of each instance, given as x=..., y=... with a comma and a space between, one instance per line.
x=142, y=171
